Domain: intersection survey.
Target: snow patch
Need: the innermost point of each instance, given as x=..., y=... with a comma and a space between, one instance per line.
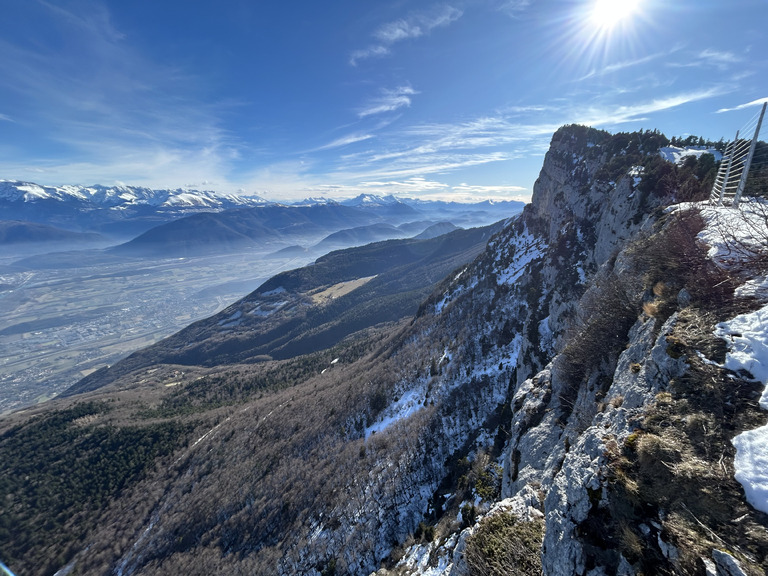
x=408, y=404
x=747, y=335
x=33, y=191
x=264, y=310
x=452, y=293
x=728, y=231
x=234, y=320
x=677, y=155
x=756, y=288
x=733, y=235
x=527, y=250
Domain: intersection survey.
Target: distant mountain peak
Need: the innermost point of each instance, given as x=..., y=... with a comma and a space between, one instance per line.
x=372, y=200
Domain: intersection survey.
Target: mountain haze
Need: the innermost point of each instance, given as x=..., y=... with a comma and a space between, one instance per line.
x=18, y=232
x=309, y=309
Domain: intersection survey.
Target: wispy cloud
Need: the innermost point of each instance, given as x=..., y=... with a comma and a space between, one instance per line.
x=618, y=66
x=515, y=110
x=415, y=184
x=5, y=118
x=608, y=116
x=441, y=148
x=758, y=102
x=476, y=189
x=413, y=26
x=513, y=7
x=420, y=159
x=345, y=141
x=420, y=187
x=369, y=52
x=115, y=113
x=719, y=58
x=709, y=58
x=388, y=101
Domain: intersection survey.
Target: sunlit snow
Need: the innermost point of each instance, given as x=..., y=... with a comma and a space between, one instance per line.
x=527, y=250
x=748, y=338
x=678, y=155
x=410, y=403
x=746, y=335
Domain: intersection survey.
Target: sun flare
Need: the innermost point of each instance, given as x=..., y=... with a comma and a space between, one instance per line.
x=606, y=14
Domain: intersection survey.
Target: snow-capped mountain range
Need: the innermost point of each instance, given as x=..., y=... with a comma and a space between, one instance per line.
x=120, y=196
x=127, y=211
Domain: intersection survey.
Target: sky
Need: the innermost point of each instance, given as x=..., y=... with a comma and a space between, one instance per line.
x=295, y=98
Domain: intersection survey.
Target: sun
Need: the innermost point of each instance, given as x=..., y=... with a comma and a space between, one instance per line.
x=606, y=14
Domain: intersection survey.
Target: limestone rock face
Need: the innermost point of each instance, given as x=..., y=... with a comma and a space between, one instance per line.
x=550, y=265
x=575, y=487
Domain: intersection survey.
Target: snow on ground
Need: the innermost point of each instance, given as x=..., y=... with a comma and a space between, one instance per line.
x=408, y=404
x=188, y=199
x=756, y=288
x=527, y=249
x=746, y=334
x=678, y=155
x=233, y=320
x=264, y=310
x=453, y=292
x=418, y=559
x=733, y=233
x=32, y=191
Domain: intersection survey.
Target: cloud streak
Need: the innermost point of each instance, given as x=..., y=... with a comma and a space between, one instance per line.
x=440, y=148
x=388, y=101
x=414, y=26
x=618, y=66
x=513, y=7
x=345, y=141
x=639, y=111
x=758, y=102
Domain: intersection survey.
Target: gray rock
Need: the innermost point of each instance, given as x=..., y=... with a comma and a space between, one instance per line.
x=726, y=564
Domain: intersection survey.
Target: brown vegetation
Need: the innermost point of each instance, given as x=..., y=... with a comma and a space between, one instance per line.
x=503, y=545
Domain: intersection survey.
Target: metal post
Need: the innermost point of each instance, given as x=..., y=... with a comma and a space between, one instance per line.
x=743, y=181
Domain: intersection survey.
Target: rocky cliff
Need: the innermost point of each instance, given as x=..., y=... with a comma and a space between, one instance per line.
x=616, y=440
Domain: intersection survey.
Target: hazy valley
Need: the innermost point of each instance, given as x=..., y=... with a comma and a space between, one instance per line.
x=59, y=324
x=71, y=304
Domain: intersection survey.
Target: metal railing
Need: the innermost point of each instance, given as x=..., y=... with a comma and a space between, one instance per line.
x=731, y=179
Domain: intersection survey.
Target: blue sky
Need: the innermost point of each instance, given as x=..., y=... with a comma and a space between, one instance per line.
x=301, y=98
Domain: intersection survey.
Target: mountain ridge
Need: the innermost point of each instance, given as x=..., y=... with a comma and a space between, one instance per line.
x=130, y=211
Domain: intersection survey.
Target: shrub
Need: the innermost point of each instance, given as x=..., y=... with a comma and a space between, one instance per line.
x=425, y=531
x=504, y=545
x=468, y=514
x=599, y=334
x=673, y=258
